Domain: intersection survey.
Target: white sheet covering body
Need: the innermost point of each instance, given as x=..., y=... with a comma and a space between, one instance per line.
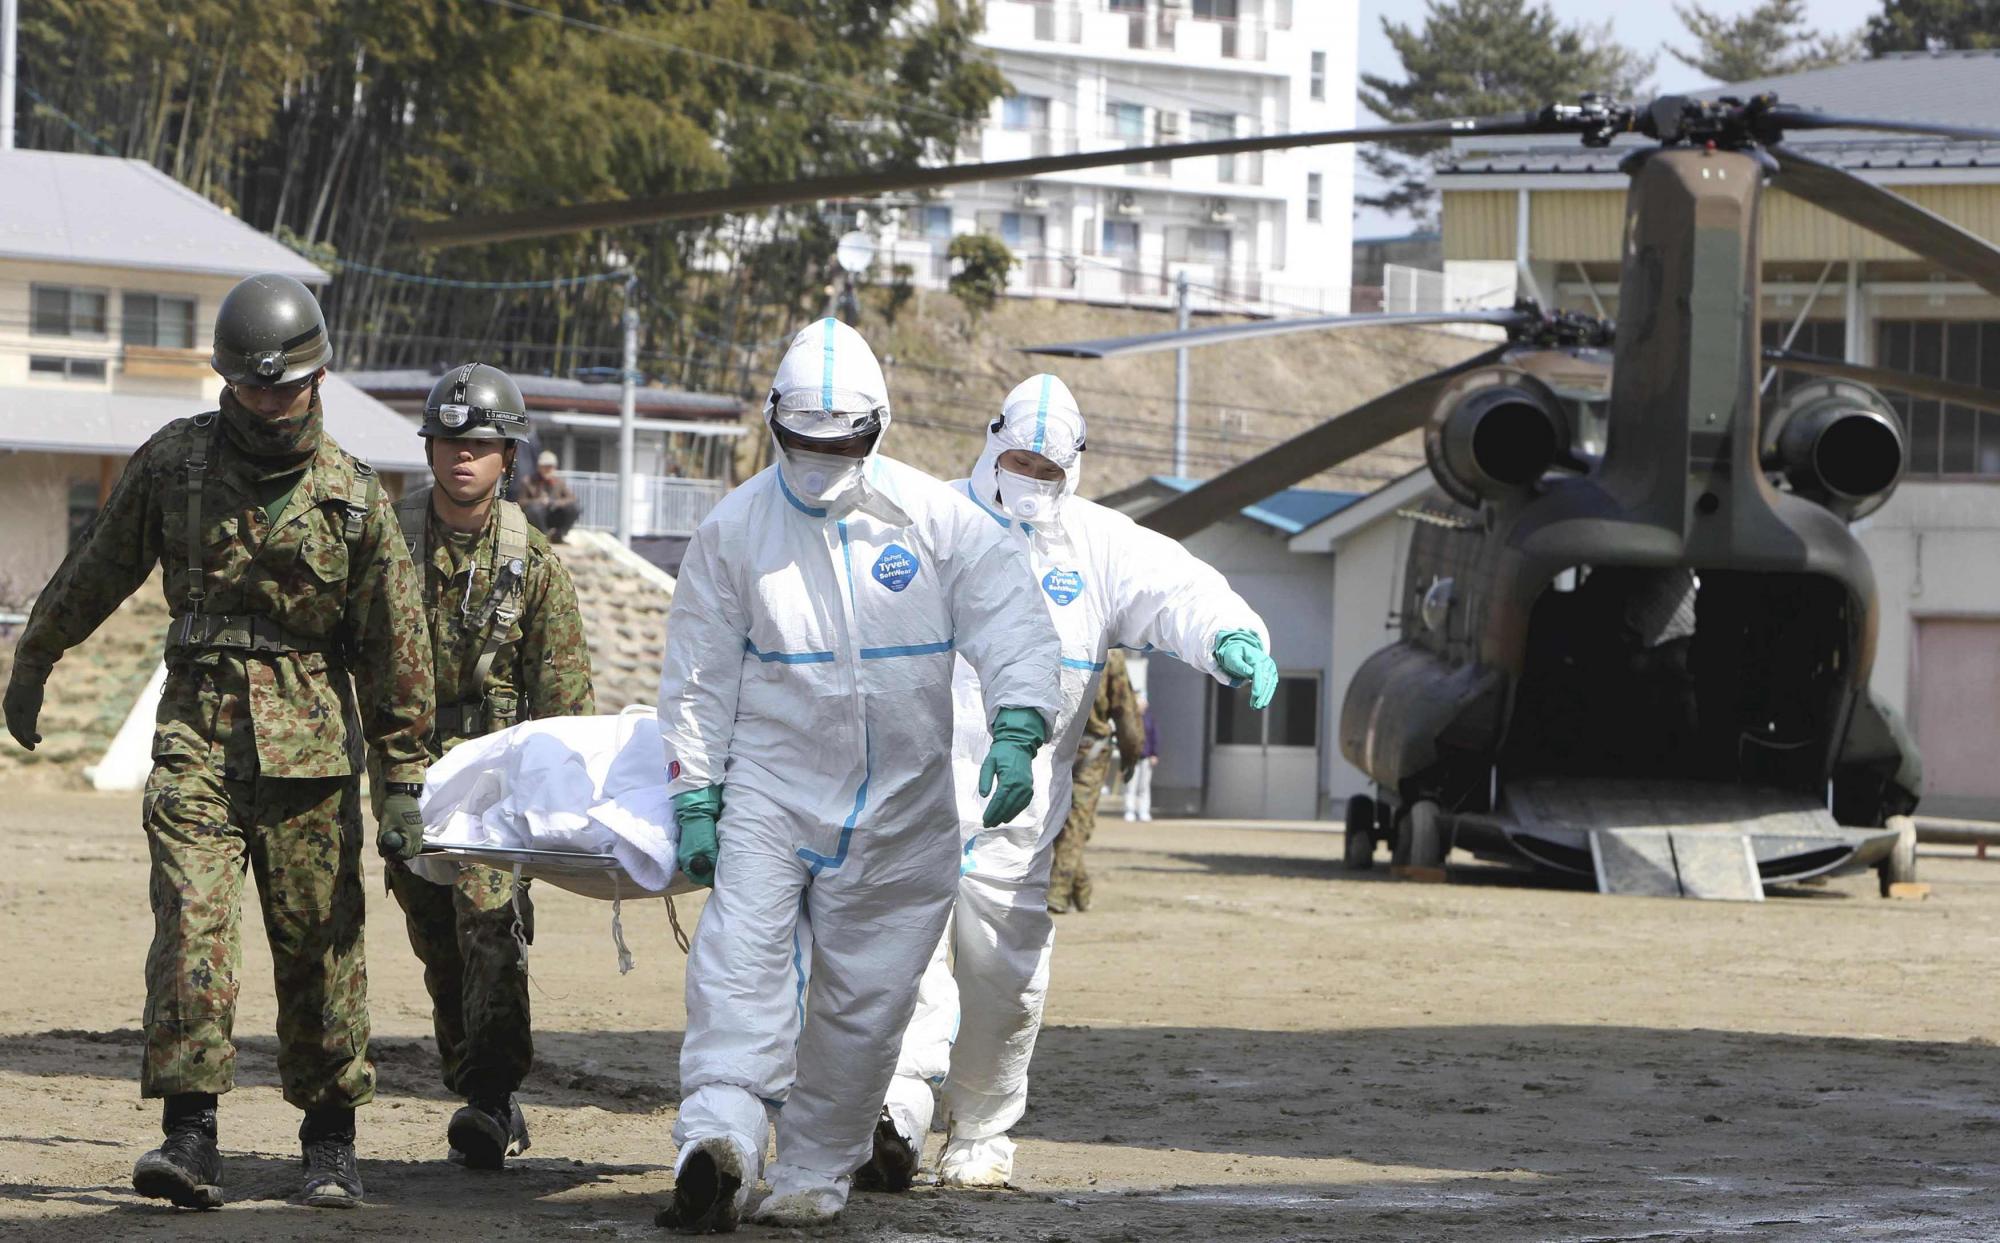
x=589, y=784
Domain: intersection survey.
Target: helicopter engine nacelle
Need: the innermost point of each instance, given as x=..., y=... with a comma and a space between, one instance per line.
x=1838, y=443
x=1496, y=440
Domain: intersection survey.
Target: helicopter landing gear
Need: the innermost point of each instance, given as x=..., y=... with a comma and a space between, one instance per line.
x=1420, y=836
x=1901, y=865
x=1359, y=849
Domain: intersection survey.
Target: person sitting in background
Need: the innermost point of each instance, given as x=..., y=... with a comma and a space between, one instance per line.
x=1139, y=790
x=549, y=503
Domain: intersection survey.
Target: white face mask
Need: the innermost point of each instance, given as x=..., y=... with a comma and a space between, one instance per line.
x=1030, y=500
x=819, y=477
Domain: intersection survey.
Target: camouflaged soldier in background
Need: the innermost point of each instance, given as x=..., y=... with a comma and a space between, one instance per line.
x=1115, y=712
x=285, y=574
x=508, y=646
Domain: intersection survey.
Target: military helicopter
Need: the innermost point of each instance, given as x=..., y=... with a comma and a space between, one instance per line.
x=1635, y=606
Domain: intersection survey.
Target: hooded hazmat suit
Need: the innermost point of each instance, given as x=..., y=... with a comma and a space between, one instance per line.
x=1105, y=581
x=819, y=613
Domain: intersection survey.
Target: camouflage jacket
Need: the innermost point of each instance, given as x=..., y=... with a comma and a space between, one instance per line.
x=1116, y=710
x=250, y=713
x=541, y=666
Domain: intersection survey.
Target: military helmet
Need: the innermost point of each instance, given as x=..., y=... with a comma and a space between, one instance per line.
x=475, y=402
x=269, y=331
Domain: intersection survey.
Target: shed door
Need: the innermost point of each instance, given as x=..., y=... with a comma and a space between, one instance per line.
x=1957, y=715
x=1265, y=765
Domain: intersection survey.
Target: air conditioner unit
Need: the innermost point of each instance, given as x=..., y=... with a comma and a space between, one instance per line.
x=1170, y=124
x=1128, y=204
x=1173, y=4
x=1218, y=211
x=1031, y=195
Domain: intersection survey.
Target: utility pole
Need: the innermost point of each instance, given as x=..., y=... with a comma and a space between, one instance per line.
x=628, y=405
x=10, y=18
x=1181, y=379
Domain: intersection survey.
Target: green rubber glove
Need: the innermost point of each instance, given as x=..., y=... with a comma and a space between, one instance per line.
x=1241, y=655
x=696, y=811
x=23, y=705
x=1009, y=771
x=399, y=832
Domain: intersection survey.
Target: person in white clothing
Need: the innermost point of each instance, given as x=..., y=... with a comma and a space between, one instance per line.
x=807, y=703
x=1139, y=789
x=1104, y=581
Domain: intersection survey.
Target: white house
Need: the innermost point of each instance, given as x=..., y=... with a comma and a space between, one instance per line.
x=1264, y=232
x=110, y=274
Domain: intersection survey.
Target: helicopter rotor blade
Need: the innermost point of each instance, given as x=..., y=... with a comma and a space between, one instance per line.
x=1889, y=215
x=581, y=217
x=1788, y=118
x=1341, y=437
x=1926, y=387
x=1118, y=347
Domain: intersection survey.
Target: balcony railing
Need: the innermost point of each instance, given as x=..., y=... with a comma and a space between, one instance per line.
x=660, y=506
x=1139, y=25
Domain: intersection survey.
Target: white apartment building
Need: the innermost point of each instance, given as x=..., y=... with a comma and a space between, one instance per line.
x=1266, y=232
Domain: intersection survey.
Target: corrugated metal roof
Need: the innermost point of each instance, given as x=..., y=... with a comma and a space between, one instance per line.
x=98, y=209
x=552, y=392
x=1952, y=88
x=57, y=419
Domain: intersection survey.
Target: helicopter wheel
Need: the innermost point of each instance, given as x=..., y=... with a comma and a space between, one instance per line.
x=1901, y=865
x=1359, y=849
x=1422, y=835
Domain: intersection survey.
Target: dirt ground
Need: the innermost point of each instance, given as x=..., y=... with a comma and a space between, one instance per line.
x=1245, y=1043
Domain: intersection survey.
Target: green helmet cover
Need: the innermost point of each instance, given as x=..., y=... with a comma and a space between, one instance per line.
x=475, y=402
x=269, y=331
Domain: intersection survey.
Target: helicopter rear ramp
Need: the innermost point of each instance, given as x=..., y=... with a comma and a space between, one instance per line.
x=1682, y=838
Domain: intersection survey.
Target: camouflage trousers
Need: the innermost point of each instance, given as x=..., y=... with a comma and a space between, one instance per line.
x=464, y=935
x=1069, y=883
x=300, y=837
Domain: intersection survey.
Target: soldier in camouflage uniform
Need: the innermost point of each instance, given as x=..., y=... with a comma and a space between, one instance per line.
x=1115, y=712
x=285, y=574
x=508, y=646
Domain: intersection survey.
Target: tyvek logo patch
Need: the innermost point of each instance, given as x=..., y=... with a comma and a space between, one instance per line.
x=896, y=567
x=1063, y=585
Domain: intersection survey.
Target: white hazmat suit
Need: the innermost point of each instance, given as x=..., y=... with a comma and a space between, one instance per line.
x=810, y=648
x=1105, y=581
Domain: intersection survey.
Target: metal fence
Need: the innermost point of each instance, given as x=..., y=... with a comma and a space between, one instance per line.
x=660, y=506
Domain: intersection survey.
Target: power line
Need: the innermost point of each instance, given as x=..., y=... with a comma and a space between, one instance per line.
x=654, y=41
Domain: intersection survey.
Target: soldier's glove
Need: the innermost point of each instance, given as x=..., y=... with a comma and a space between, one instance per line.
x=399, y=835
x=1009, y=771
x=23, y=704
x=1241, y=655
x=696, y=812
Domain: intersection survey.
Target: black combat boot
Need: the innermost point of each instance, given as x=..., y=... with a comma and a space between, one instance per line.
x=327, y=1139
x=186, y=1168
x=893, y=1166
x=486, y=1131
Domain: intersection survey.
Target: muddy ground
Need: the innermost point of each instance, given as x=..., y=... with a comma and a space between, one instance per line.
x=1245, y=1043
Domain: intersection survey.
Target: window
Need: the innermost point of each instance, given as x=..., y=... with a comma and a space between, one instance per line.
x=1317, y=83
x=1292, y=720
x=1125, y=121
x=156, y=319
x=1314, y=186
x=937, y=222
x=1121, y=237
x=63, y=312
x=1028, y=112
x=1021, y=231
x=82, y=510
x=1208, y=245
x=1215, y=10
x=1213, y=127
x=1127, y=6
x=1944, y=438
x=50, y=367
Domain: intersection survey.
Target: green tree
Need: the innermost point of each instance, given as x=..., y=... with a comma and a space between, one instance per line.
x=1771, y=39
x=1473, y=57
x=984, y=262
x=1924, y=25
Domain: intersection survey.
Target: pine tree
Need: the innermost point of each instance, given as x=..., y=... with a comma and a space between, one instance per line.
x=1925, y=25
x=1771, y=39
